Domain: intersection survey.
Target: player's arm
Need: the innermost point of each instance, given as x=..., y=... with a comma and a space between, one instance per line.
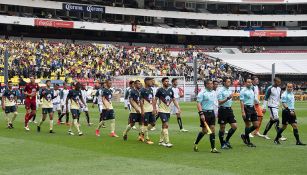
x=3, y=101
x=105, y=102
x=177, y=105
x=242, y=104
x=199, y=107
x=221, y=100
x=134, y=105
x=67, y=100
x=83, y=102
x=154, y=105
x=26, y=91
x=16, y=98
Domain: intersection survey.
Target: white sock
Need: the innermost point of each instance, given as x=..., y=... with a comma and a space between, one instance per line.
x=51, y=124
x=112, y=125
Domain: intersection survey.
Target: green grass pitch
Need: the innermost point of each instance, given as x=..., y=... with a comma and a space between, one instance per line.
x=35, y=153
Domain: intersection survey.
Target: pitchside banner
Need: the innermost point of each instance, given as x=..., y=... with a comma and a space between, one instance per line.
x=83, y=8
x=268, y=33
x=53, y=23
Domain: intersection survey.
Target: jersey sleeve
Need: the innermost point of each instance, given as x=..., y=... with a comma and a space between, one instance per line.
x=220, y=95
x=242, y=95
x=158, y=93
x=172, y=94
x=267, y=94
x=200, y=97
x=284, y=98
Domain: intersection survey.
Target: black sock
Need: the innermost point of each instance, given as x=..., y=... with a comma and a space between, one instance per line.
x=277, y=125
x=268, y=127
x=295, y=133
x=61, y=116
x=221, y=137
x=179, y=122
x=199, y=137
x=212, y=140
x=230, y=133
x=157, y=117
x=33, y=118
x=87, y=117
x=247, y=131
x=67, y=117
x=279, y=132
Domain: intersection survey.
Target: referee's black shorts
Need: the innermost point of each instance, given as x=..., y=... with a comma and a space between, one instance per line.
x=209, y=117
x=287, y=118
x=225, y=115
x=250, y=114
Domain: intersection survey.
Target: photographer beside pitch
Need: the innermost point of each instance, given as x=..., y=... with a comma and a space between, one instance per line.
x=288, y=115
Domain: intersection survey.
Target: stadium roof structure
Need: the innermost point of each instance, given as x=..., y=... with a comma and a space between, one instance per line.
x=261, y=63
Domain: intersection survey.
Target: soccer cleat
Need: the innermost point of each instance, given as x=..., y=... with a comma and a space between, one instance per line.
x=35, y=122
x=112, y=134
x=226, y=132
x=152, y=129
x=27, y=128
x=97, y=132
x=62, y=122
x=277, y=142
x=38, y=129
x=141, y=138
x=195, y=148
x=125, y=137
x=283, y=138
x=11, y=125
x=251, y=145
x=89, y=124
x=161, y=144
x=168, y=145
x=134, y=127
x=300, y=143
x=59, y=122
x=266, y=137
x=243, y=138
x=103, y=126
x=80, y=133
x=258, y=134
x=70, y=133
x=149, y=142
x=184, y=130
x=214, y=150
x=228, y=145
x=224, y=146
x=51, y=132
x=251, y=135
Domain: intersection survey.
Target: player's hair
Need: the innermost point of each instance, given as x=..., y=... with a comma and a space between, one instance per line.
x=276, y=79
x=9, y=82
x=215, y=81
x=225, y=79
x=165, y=78
x=254, y=77
x=248, y=78
x=47, y=81
x=174, y=79
x=207, y=81
x=78, y=85
x=131, y=82
x=107, y=81
x=136, y=81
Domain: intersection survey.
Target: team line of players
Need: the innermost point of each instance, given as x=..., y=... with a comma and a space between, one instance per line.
x=146, y=106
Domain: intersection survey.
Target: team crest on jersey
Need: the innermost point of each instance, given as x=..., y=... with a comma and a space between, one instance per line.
x=150, y=98
x=110, y=96
x=168, y=99
x=11, y=98
x=49, y=97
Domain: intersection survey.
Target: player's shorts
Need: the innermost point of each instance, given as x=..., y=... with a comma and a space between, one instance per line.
x=164, y=116
x=287, y=118
x=56, y=107
x=84, y=109
x=64, y=110
x=10, y=109
x=149, y=118
x=273, y=113
x=209, y=117
x=30, y=105
x=107, y=114
x=47, y=110
x=75, y=113
x=174, y=109
x=225, y=115
x=100, y=107
x=250, y=114
x=258, y=109
x=135, y=117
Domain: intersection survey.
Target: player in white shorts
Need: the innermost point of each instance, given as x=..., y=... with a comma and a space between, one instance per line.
x=57, y=101
x=63, y=96
x=85, y=108
x=174, y=110
x=272, y=100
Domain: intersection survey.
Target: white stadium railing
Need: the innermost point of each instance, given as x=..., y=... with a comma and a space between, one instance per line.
x=165, y=14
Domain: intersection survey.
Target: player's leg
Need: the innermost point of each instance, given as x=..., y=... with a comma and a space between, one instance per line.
x=111, y=118
x=212, y=136
x=7, y=117
x=221, y=136
x=62, y=115
x=28, y=111
x=230, y=133
x=129, y=126
x=101, y=122
x=51, y=122
x=260, y=118
x=75, y=115
x=44, y=116
x=150, y=123
x=273, y=119
x=296, y=134
x=200, y=136
x=164, y=137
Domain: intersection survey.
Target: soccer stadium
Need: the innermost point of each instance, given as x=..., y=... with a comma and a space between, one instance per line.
x=153, y=87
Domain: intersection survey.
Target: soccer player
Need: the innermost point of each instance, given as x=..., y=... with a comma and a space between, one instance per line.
x=107, y=111
x=85, y=108
x=65, y=111
x=47, y=95
x=174, y=110
x=127, y=92
x=272, y=100
x=76, y=102
x=225, y=113
x=98, y=100
x=165, y=95
x=30, y=92
x=57, y=100
x=288, y=115
x=205, y=106
x=216, y=103
x=258, y=108
x=9, y=104
x=249, y=114
x=148, y=108
x=135, y=112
